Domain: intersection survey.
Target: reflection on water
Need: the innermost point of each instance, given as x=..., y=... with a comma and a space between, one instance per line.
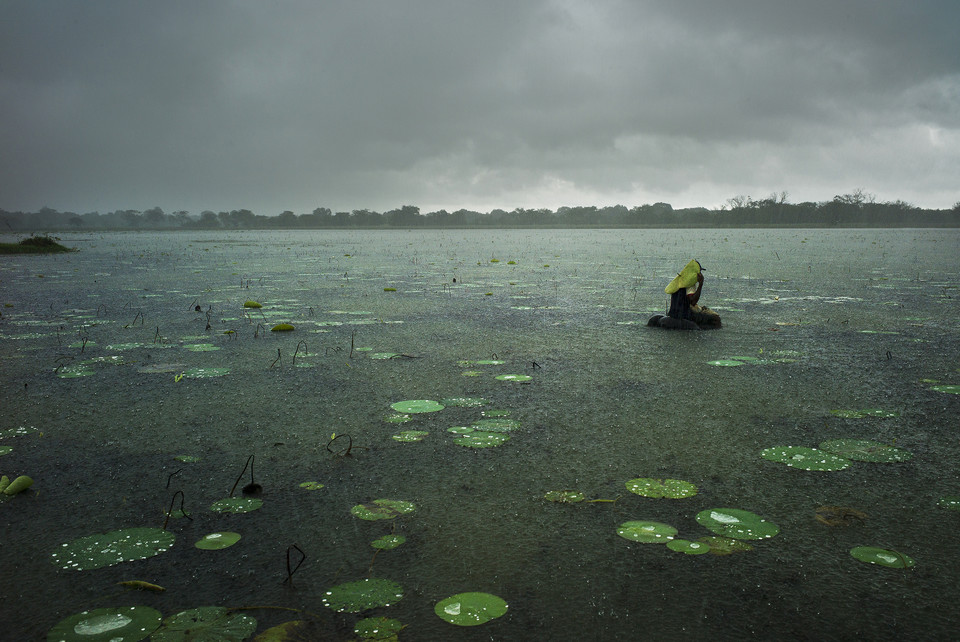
x=847, y=319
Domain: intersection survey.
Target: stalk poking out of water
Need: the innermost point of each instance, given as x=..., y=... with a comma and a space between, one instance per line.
x=170, y=510
x=291, y=571
x=252, y=488
x=305, y=351
x=279, y=358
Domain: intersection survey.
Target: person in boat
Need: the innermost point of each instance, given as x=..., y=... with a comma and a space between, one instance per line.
x=684, y=311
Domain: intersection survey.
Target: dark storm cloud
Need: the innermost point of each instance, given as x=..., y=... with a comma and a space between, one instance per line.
x=496, y=104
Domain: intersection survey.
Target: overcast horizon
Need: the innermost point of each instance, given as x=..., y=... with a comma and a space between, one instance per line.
x=448, y=105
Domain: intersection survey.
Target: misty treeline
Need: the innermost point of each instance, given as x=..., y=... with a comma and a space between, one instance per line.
x=856, y=209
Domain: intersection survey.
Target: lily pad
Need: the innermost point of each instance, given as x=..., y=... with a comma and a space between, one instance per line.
x=251, y=304
x=354, y=597
x=514, y=377
x=496, y=424
x=646, y=532
x=187, y=459
x=725, y=362
x=952, y=389
x=107, y=549
x=201, y=347
x=565, y=496
x=311, y=485
x=206, y=623
x=470, y=609
x=378, y=628
x=382, y=509
x=463, y=402
x=949, y=501
x=217, y=541
x=805, y=458
x=388, y=542
x=736, y=523
x=384, y=355
x=881, y=556
x=205, y=373
x=282, y=327
x=869, y=412
x=6, y=450
x=668, y=488
x=865, y=450
x=481, y=439
x=123, y=624
x=398, y=418
x=410, y=435
x=416, y=406
x=687, y=547
x=236, y=505
x=725, y=545
x=839, y=515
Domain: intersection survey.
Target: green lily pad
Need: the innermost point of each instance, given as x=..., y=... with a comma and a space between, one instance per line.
x=461, y=430
x=18, y=431
x=410, y=435
x=646, y=532
x=736, y=523
x=471, y=373
x=868, y=412
x=236, y=505
x=123, y=624
x=496, y=413
x=725, y=362
x=251, y=304
x=388, y=542
x=481, y=439
x=73, y=372
x=805, y=458
x=881, y=556
x=481, y=362
x=205, y=373
x=865, y=450
x=470, y=609
x=687, y=547
x=282, y=327
x=496, y=424
x=187, y=459
x=952, y=389
x=354, y=597
x=206, y=623
x=416, y=406
x=565, y=496
x=397, y=418
x=311, y=485
x=385, y=355
x=201, y=347
x=217, y=541
x=382, y=509
x=669, y=488
x=949, y=501
x=514, y=377
x=107, y=549
x=5, y=450
x=463, y=402
x=378, y=628
x=725, y=545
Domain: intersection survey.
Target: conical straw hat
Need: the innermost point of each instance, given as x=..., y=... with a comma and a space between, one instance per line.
x=686, y=279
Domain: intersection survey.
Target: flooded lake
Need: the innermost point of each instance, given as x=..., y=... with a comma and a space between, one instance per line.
x=131, y=370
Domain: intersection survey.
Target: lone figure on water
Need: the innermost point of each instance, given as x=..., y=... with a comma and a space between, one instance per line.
x=684, y=312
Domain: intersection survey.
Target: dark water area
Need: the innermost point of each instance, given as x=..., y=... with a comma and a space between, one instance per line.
x=100, y=366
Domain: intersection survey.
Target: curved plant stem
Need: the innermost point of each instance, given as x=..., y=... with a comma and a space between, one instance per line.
x=290, y=572
x=170, y=510
x=250, y=464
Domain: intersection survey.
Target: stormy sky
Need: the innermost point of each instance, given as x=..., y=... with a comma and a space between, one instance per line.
x=450, y=104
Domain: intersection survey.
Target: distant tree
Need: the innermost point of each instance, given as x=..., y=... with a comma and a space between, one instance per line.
x=287, y=220
x=209, y=219
x=76, y=222
x=408, y=215
x=154, y=217
x=130, y=218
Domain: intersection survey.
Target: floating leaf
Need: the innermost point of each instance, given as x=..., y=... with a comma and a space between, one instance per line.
x=949, y=501
x=354, y=597
x=669, y=488
x=646, y=532
x=73, y=372
x=481, y=439
x=382, y=509
x=251, y=304
x=725, y=362
x=805, y=458
x=205, y=373
x=311, y=485
x=122, y=624
x=839, y=515
x=384, y=355
x=187, y=459
x=470, y=609
x=201, y=347
x=410, y=435
x=217, y=541
x=564, y=496
x=736, y=523
x=236, y=505
x=496, y=424
x=952, y=389
x=416, y=406
x=282, y=327
x=688, y=547
x=865, y=450
x=6, y=450
x=378, y=628
x=514, y=377
x=463, y=402
x=398, y=418
x=107, y=549
x=725, y=545
x=388, y=542
x=869, y=412
x=206, y=623
x=881, y=556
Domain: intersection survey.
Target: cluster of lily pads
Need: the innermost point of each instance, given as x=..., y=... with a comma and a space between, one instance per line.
x=490, y=431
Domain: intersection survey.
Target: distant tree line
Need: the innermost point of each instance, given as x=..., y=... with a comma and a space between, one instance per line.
x=857, y=209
